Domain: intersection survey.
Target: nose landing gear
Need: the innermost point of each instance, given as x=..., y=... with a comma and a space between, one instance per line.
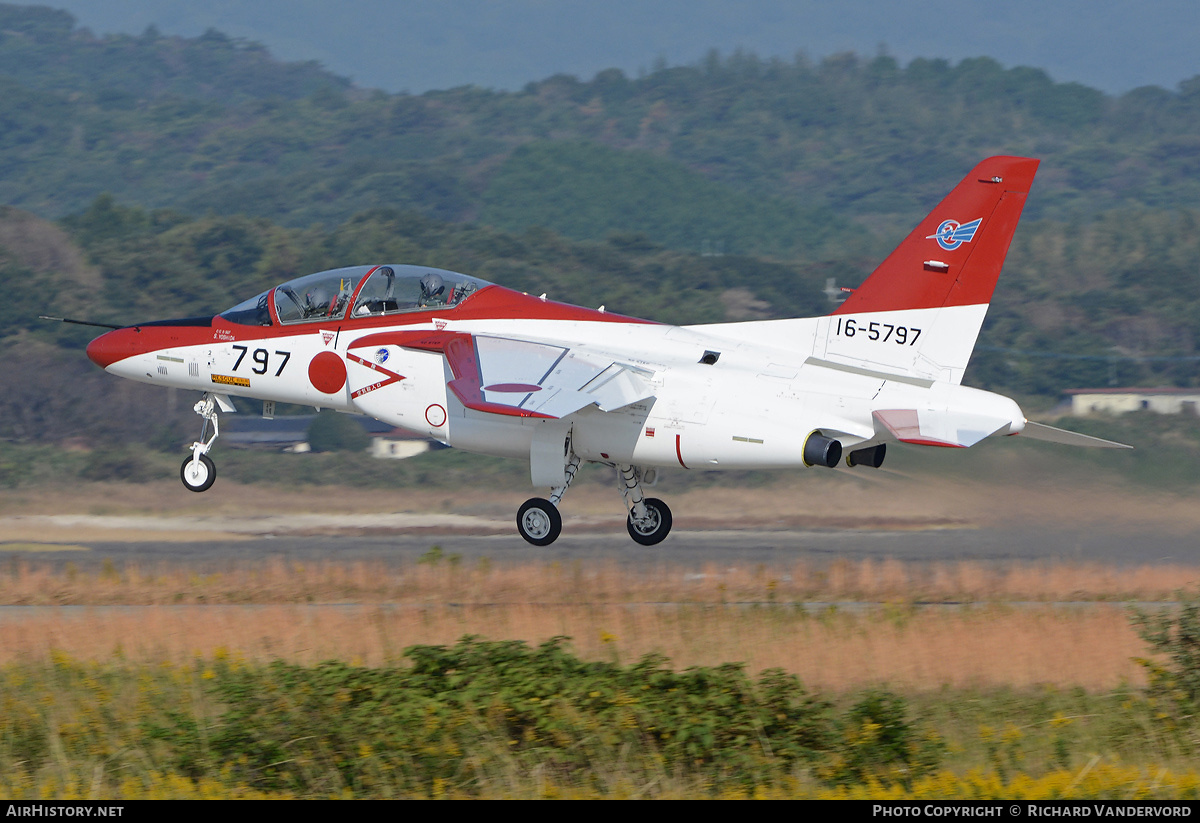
x=198, y=471
x=198, y=474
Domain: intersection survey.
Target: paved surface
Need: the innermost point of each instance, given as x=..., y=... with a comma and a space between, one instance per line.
x=89, y=546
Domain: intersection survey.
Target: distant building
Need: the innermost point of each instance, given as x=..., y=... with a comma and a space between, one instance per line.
x=1165, y=400
x=289, y=433
x=398, y=444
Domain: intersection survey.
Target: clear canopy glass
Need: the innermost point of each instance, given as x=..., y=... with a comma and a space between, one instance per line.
x=410, y=288
x=374, y=290
x=252, y=312
x=323, y=296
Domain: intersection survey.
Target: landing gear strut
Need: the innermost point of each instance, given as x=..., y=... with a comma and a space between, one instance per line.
x=538, y=519
x=649, y=518
x=198, y=471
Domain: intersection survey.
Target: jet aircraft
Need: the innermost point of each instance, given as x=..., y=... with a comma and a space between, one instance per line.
x=487, y=369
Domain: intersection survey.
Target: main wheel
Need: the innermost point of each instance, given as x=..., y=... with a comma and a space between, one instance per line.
x=539, y=522
x=198, y=476
x=655, y=527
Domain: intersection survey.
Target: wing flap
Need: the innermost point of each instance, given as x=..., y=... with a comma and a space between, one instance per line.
x=618, y=386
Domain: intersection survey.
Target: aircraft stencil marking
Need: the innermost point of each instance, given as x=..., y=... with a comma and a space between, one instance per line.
x=391, y=376
x=435, y=416
x=873, y=329
x=501, y=372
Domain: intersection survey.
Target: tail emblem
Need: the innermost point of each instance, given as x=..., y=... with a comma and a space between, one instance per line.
x=952, y=234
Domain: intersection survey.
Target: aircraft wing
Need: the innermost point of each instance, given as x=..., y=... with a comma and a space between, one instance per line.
x=526, y=378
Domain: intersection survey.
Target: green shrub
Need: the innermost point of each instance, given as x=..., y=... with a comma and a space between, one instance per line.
x=1174, y=685
x=880, y=744
x=479, y=712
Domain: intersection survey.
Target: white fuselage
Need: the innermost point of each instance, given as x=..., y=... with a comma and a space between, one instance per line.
x=773, y=384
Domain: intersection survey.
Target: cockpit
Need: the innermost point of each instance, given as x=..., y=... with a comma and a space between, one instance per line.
x=355, y=291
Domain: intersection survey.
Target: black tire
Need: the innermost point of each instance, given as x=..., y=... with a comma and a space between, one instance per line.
x=658, y=524
x=539, y=522
x=202, y=478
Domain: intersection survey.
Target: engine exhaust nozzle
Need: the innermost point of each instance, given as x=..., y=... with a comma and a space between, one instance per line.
x=820, y=450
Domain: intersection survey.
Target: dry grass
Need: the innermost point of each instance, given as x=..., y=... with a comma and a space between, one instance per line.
x=275, y=580
x=923, y=650
x=368, y=613
x=694, y=615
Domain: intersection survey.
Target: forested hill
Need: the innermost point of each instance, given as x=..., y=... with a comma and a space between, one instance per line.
x=188, y=174
x=42, y=48
x=736, y=153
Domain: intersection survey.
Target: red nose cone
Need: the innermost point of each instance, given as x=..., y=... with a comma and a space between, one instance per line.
x=112, y=346
x=119, y=344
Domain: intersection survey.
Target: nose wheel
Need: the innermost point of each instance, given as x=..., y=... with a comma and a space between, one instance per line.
x=198, y=475
x=198, y=472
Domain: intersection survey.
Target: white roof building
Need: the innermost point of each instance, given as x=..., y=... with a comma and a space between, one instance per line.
x=1166, y=400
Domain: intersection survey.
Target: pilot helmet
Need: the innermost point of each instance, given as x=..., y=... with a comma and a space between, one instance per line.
x=432, y=285
x=318, y=298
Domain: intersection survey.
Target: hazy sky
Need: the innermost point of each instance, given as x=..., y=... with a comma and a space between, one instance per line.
x=416, y=45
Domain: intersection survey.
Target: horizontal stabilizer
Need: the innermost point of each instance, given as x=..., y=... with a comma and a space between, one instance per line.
x=1040, y=431
x=932, y=428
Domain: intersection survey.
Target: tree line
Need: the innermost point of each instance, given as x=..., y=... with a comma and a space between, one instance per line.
x=762, y=155
x=733, y=189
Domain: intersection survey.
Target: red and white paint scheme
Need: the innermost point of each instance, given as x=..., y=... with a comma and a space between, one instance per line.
x=486, y=369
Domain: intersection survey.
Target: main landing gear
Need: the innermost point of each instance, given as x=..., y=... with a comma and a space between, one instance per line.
x=198, y=471
x=648, y=523
x=538, y=521
x=649, y=518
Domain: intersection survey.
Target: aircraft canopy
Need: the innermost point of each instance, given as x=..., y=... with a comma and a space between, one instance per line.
x=356, y=291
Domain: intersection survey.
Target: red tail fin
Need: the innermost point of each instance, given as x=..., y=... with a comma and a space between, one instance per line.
x=953, y=257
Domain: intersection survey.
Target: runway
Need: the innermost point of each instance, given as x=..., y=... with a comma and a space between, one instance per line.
x=683, y=547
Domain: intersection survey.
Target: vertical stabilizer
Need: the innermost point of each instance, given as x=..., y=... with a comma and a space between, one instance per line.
x=920, y=311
